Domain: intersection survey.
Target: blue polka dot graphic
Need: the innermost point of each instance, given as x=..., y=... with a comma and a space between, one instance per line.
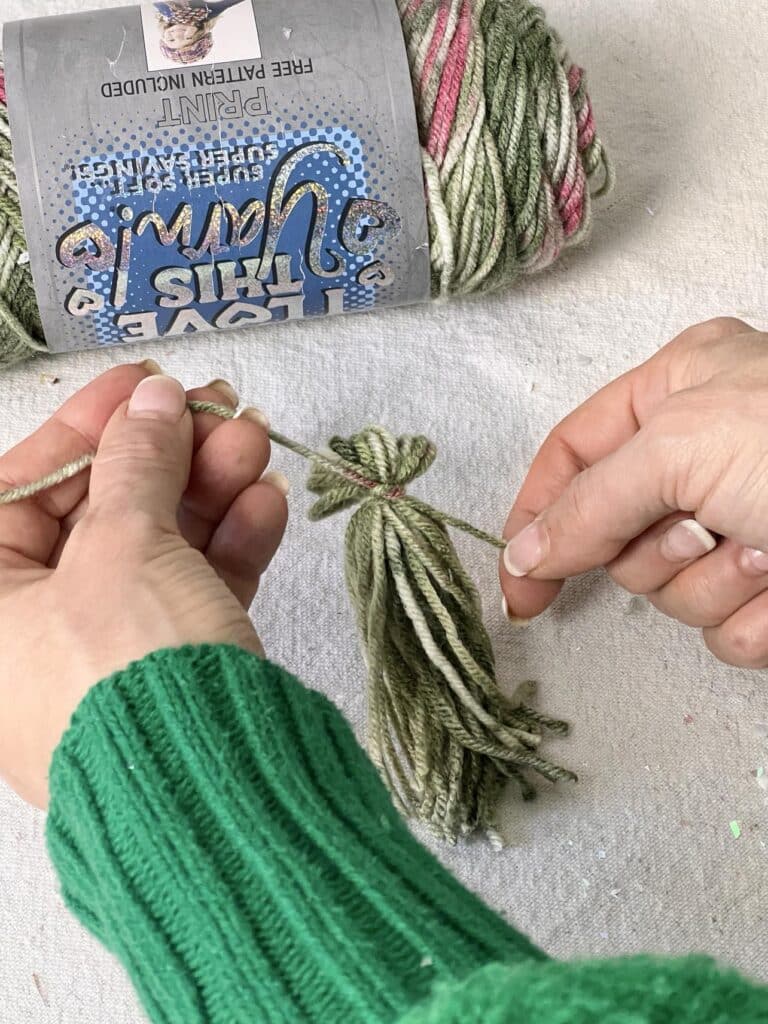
x=228, y=228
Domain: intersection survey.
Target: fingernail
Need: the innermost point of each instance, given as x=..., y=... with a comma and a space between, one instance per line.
x=158, y=398
x=256, y=416
x=525, y=551
x=225, y=388
x=754, y=560
x=686, y=540
x=278, y=480
x=151, y=366
x=513, y=620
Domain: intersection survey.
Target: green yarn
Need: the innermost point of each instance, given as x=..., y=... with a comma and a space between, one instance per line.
x=21, y=332
x=440, y=731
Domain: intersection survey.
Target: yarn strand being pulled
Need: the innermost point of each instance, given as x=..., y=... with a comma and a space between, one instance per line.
x=440, y=731
x=333, y=463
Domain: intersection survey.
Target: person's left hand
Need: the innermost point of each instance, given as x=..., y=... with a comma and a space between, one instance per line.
x=162, y=544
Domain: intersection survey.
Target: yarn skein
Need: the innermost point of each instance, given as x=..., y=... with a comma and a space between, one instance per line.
x=442, y=734
x=508, y=146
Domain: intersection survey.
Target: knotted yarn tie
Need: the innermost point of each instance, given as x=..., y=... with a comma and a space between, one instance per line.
x=440, y=731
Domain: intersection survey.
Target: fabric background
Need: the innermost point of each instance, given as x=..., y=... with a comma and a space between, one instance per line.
x=639, y=854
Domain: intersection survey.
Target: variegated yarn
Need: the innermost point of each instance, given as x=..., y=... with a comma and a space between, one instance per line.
x=509, y=152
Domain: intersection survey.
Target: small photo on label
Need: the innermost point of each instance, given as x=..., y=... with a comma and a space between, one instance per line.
x=188, y=33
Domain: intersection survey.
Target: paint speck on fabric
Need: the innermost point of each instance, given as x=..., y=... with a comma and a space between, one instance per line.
x=40, y=989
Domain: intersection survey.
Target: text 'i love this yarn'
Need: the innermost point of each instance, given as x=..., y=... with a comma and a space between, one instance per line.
x=509, y=153
x=442, y=734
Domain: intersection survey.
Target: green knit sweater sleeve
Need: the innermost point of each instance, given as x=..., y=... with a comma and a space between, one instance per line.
x=630, y=990
x=218, y=828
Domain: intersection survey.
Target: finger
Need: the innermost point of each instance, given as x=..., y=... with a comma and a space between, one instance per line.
x=250, y=533
x=590, y=432
x=524, y=599
x=219, y=392
x=712, y=589
x=234, y=455
x=66, y=526
x=742, y=640
x=29, y=530
x=142, y=464
x=600, y=425
x=597, y=515
x=654, y=558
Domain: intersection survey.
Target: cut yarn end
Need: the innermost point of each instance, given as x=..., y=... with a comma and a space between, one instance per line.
x=510, y=156
x=443, y=736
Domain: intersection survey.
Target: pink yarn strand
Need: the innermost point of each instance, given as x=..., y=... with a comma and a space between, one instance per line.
x=451, y=80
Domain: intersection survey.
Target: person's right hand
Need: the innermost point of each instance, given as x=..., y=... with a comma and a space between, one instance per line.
x=661, y=477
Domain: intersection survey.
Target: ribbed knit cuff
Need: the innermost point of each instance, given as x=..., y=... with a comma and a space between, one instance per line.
x=631, y=990
x=217, y=826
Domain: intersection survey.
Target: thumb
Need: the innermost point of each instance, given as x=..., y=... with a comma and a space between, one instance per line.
x=601, y=510
x=144, y=456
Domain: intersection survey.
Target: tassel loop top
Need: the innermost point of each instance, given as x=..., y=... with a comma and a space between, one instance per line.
x=372, y=465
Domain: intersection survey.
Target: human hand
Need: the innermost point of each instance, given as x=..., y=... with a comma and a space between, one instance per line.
x=164, y=545
x=661, y=477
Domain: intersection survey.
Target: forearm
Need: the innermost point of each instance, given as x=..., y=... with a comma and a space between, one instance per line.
x=219, y=829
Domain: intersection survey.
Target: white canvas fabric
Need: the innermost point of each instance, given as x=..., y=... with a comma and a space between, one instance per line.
x=639, y=855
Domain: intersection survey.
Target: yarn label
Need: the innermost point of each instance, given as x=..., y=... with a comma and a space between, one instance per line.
x=198, y=165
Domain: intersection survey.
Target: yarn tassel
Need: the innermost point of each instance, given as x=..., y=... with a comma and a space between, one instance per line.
x=440, y=731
